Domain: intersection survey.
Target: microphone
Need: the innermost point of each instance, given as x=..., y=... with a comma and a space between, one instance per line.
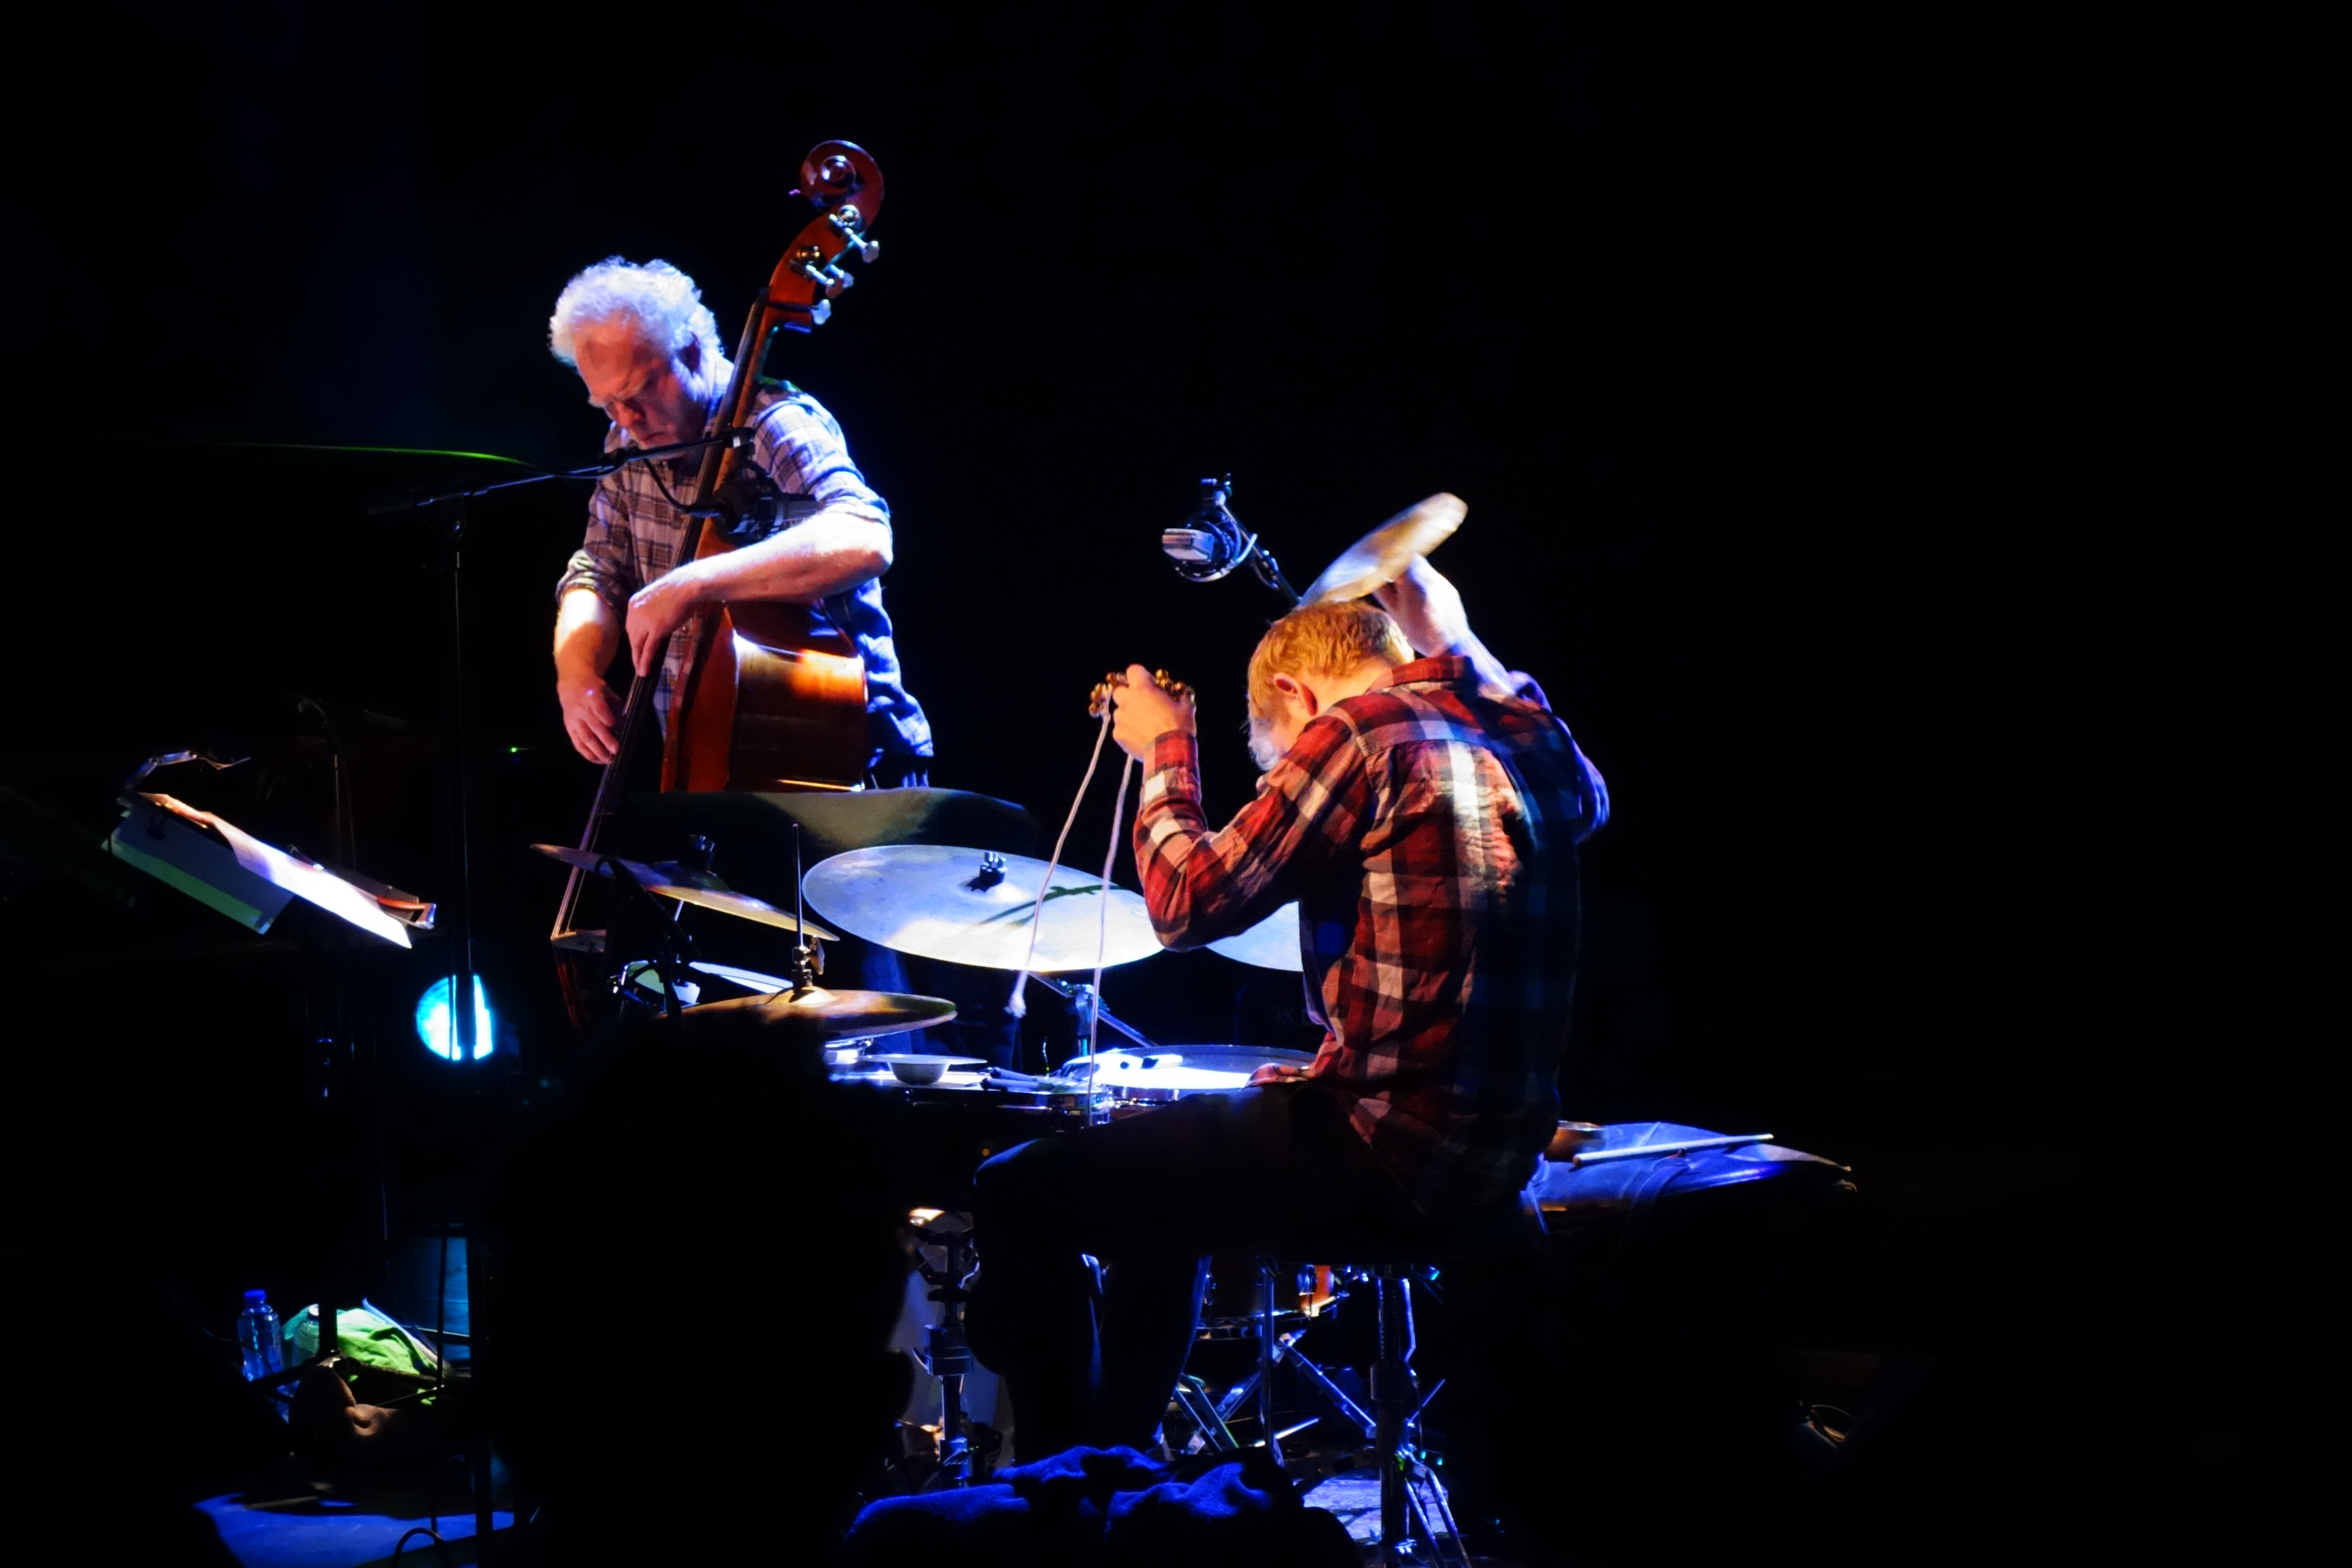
x=1211, y=543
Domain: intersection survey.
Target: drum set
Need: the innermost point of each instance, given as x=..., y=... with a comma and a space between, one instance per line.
x=1040, y=919
x=981, y=909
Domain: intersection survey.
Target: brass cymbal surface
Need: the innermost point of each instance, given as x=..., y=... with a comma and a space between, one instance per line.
x=1388, y=552
x=1272, y=943
x=972, y=906
x=843, y=1015
x=698, y=888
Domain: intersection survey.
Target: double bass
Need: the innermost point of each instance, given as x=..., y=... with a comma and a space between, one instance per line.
x=774, y=695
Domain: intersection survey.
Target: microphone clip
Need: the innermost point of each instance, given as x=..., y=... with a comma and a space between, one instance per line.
x=1213, y=543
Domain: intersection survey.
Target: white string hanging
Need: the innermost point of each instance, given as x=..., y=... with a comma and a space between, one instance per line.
x=1018, y=1002
x=1102, y=924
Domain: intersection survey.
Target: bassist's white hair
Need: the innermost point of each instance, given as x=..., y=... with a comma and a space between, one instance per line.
x=659, y=302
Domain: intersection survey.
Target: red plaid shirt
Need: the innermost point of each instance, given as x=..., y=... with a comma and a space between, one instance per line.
x=1429, y=833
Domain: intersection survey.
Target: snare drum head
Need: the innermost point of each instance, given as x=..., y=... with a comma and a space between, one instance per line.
x=1184, y=1070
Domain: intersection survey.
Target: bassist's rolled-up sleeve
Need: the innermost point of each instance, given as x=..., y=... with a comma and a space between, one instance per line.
x=801, y=447
x=605, y=562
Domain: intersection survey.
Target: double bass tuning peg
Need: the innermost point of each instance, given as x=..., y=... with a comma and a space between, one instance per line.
x=813, y=266
x=851, y=225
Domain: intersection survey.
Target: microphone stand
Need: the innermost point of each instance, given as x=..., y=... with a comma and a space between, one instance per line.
x=392, y=505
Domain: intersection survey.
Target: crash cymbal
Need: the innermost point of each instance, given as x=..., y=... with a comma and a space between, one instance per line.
x=845, y=1015
x=1388, y=552
x=971, y=906
x=1272, y=943
x=701, y=888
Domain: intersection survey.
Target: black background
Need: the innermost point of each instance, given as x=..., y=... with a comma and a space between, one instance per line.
x=1835, y=395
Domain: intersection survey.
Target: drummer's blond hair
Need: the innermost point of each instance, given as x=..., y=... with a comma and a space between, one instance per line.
x=1321, y=639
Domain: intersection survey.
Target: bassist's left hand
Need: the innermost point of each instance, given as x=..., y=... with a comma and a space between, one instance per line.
x=655, y=611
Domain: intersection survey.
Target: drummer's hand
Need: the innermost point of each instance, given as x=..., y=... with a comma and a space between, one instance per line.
x=659, y=609
x=588, y=716
x=1278, y=1072
x=1141, y=712
x=1427, y=608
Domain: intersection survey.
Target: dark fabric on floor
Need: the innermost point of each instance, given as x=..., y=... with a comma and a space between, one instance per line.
x=1107, y=1505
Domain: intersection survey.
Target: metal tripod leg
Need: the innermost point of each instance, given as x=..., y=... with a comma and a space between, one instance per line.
x=1413, y=1507
x=1266, y=1353
x=1193, y=1396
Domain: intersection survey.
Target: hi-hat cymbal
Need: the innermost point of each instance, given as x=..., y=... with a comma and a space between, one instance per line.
x=1272, y=943
x=971, y=906
x=844, y=1014
x=699, y=887
x=1388, y=552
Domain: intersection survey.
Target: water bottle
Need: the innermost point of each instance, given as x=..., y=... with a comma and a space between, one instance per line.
x=258, y=1337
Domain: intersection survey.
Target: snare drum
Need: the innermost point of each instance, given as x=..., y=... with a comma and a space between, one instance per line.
x=1135, y=1077
x=951, y=1126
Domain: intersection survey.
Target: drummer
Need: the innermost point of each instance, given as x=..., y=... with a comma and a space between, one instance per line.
x=1424, y=805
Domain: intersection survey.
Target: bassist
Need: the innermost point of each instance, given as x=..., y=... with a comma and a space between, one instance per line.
x=649, y=351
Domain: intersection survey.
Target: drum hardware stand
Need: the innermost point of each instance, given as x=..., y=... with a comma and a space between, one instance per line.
x=699, y=848
x=639, y=922
x=1416, y=1519
x=1205, y=1414
x=808, y=959
x=948, y=1355
x=1403, y=1474
x=1285, y=1350
x=1086, y=1002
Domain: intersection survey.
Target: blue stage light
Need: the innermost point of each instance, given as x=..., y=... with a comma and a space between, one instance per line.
x=434, y=1021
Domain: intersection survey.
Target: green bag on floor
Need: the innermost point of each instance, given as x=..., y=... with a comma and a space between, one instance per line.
x=370, y=1343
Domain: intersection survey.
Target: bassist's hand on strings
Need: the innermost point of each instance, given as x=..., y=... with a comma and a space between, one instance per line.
x=657, y=609
x=590, y=716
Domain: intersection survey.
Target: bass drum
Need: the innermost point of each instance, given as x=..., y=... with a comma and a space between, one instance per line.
x=1138, y=1077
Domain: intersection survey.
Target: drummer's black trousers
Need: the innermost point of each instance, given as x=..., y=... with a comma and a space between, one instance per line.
x=1274, y=1170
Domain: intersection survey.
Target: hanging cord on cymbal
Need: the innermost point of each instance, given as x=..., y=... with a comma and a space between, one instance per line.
x=1102, y=924
x=1018, y=1002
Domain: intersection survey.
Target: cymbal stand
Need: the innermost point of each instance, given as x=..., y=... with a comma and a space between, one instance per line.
x=948, y=1355
x=1086, y=1002
x=638, y=918
x=808, y=958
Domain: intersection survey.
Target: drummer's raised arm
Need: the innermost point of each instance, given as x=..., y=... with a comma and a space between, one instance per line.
x=1427, y=608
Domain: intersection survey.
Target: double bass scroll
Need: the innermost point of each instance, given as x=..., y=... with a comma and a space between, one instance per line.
x=771, y=701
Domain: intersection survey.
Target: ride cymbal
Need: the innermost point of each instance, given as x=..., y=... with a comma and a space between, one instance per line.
x=972, y=906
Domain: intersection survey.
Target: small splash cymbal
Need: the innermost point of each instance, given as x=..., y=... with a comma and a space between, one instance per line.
x=700, y=889
x=1388, y=552
x=844, y=1014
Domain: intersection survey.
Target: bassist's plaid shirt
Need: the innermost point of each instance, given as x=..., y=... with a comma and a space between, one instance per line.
x=637, y=529
x=1429, y=833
